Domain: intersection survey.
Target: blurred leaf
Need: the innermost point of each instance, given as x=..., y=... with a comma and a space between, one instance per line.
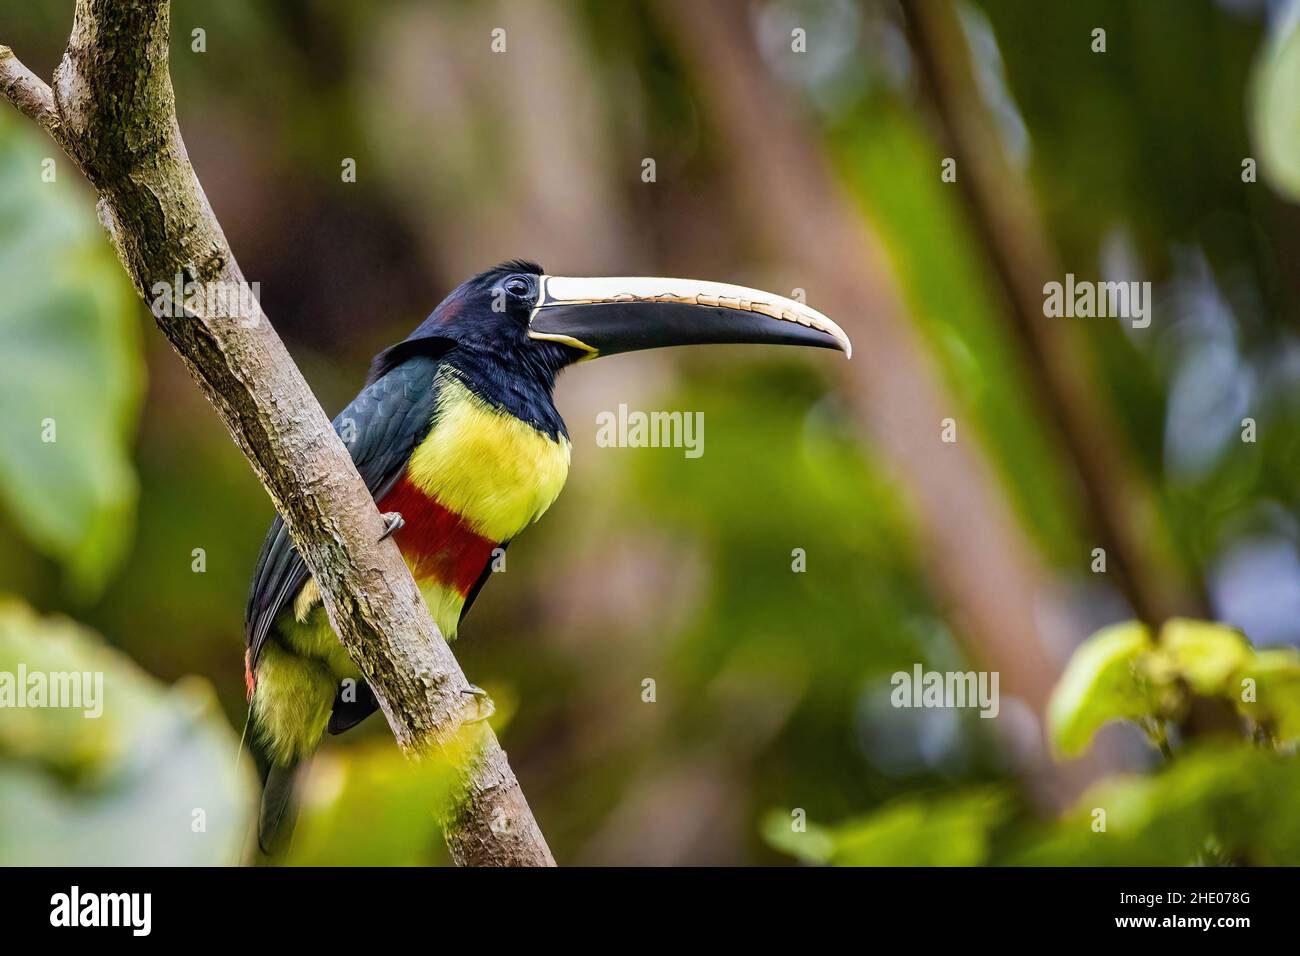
x=125, y=788
x=814, y=844
x=1274, y=109
x=370, y=806
x=1118, y=674
x=69, y=361
x=1232, y=804
x=1204, y=654
x=1105, y=680
x=948, y=831
x=1237, y=801
x=1276, y=703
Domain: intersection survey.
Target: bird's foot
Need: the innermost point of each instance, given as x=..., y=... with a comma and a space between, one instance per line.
x=483, y=704
x=393, y=522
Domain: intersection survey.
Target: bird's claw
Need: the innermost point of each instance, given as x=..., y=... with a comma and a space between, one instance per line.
x=485, y=707
x=393, y=522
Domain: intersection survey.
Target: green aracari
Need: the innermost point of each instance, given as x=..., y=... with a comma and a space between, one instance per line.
x=458, y=439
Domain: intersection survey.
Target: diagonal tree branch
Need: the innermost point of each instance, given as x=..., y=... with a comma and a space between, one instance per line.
x=113, y=111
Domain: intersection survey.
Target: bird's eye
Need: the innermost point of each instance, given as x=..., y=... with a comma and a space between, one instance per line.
x=517, y=286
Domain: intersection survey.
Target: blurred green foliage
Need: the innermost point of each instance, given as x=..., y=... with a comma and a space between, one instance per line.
x=1214, y=806
x=947, y=831
x=1275, y=110
x=949, y=293
x=1136, y=158
x=135, y=774
x=771, y=686
x=71, y=373
x=1215, y=802
x=1104, y=682
x=396, y=799
x=1121, y=673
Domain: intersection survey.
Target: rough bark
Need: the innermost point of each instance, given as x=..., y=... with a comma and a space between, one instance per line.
x=112, y=110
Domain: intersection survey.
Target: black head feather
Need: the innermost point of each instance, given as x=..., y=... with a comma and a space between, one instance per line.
x=459, y=312
x=517, y=265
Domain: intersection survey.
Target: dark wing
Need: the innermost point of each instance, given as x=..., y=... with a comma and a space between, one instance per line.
x=478, y=585
x=346, y=714
x=381, y=428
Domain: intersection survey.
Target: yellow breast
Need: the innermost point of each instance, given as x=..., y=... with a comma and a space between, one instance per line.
x=497, y=472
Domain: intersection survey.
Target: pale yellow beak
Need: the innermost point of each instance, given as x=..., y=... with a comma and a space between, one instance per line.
x=605, y=316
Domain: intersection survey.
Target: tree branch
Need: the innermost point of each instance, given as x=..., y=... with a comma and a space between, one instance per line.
x=28, y=92
x=113, y=111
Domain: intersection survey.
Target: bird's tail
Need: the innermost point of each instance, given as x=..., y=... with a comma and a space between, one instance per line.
x=279, y=805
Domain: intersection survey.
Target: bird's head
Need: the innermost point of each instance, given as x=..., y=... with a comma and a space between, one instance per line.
x=518, y=312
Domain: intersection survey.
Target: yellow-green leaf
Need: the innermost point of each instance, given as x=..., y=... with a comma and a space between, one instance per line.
x=810, y=843
x=1274, y=689
x=1275, y=110
x=1106, y=679
x=945, y=831
x=1204, y=654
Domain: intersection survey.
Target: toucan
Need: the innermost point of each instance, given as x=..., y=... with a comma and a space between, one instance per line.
x=457, y=437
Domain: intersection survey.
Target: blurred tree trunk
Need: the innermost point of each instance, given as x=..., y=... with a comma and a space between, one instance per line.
x=988, y=576
x=1013, y=238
